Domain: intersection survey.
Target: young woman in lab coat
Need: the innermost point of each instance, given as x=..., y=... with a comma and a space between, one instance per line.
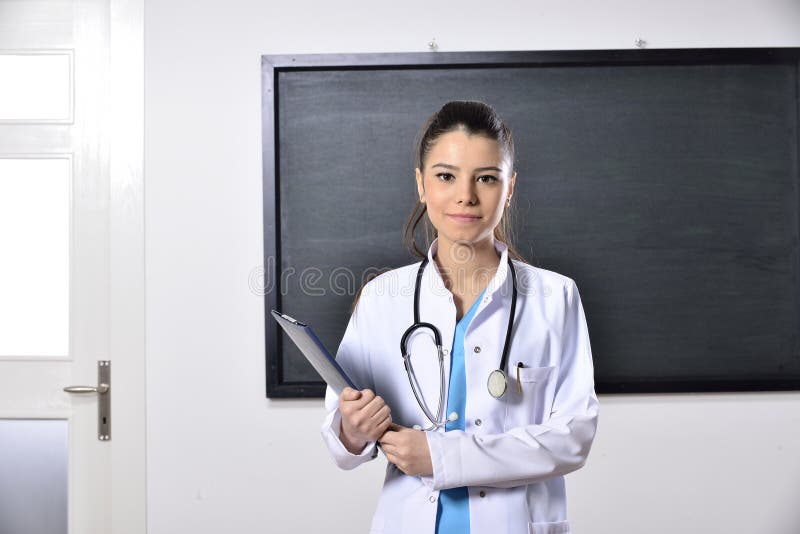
x=498, y=464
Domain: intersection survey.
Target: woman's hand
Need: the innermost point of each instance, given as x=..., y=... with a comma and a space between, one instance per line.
x=365, y=417
x=408, y=450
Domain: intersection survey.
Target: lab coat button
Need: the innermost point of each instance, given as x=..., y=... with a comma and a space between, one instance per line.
x=432, y=498
x=482, y=493
x=478, y=422
x=477, y=349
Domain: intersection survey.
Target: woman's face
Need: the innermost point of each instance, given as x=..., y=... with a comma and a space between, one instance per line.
x=465, y=185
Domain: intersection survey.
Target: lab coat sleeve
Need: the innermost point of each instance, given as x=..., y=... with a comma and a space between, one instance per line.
x=353, y=356
x=532, y=453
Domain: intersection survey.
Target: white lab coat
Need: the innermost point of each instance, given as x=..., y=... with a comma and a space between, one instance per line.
x=515, y=451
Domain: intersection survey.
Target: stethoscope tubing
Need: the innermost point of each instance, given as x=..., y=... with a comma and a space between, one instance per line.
x=437, y=420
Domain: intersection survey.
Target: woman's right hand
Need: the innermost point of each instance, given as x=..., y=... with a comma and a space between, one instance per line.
x=365, y=417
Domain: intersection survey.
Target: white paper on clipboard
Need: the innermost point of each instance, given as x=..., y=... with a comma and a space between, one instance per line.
x=315, y=352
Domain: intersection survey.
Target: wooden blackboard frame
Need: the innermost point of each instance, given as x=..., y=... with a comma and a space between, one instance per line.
x=273, y=65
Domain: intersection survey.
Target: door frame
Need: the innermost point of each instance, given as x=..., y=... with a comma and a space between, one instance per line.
x=127, y=267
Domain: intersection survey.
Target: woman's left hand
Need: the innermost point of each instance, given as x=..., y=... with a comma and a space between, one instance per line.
x=407, y=448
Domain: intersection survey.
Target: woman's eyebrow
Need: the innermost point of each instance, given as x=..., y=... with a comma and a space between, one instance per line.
x=446, y=166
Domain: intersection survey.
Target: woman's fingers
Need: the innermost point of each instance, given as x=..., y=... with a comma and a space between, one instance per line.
x=357, y=399
x=407, y=450
x=380, y=427
x=349, y=394
x=392, y=433
x=373, y=407
x=367, y=417
x=385, y=425
x=382, y=414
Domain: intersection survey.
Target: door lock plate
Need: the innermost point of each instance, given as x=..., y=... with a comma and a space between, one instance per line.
x=104, y=400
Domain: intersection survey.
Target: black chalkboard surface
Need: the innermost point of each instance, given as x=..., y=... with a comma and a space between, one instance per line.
x=665, y=182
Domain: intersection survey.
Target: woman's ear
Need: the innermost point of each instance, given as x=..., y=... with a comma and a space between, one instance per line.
x=511, y=187
x=420, y=185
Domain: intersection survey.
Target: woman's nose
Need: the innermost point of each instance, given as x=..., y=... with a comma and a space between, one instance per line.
x=466, y=193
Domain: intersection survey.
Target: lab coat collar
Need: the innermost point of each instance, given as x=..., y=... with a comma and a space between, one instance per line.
x=436, y=282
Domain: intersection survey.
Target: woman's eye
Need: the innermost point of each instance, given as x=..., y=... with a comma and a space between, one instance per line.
x=486, y=178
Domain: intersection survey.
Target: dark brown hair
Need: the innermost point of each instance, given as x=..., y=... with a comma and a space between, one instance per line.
x=474, y=117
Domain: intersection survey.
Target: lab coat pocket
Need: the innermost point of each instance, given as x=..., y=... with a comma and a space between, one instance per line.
x=530, y=395
x=556, y=527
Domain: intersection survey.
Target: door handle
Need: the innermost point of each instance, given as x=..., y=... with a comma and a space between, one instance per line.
x=103, y=389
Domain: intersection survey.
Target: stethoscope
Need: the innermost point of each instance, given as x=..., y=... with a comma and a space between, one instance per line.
x=497, y=383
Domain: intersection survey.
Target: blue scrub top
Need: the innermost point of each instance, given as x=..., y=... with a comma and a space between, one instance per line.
x=452, y=514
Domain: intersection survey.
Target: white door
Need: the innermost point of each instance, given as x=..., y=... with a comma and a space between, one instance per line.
x=71, y=266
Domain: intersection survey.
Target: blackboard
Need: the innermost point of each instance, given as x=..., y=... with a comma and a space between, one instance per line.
x=665, y=182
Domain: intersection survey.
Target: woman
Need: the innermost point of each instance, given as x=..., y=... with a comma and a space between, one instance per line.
x=496, y=461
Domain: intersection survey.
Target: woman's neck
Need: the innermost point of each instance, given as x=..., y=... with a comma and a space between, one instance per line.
x=466, y=268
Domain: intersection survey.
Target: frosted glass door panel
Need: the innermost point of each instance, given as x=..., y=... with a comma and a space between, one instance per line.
x=36, y=87
x=34, y=257
x=33, y=476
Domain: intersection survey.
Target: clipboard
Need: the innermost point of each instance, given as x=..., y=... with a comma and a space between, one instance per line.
x=317, y=355
x=315, y=352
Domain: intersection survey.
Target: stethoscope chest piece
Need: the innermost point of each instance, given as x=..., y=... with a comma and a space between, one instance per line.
x=497, y=383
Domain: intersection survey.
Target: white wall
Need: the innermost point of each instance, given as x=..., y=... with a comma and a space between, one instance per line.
x=221, y=457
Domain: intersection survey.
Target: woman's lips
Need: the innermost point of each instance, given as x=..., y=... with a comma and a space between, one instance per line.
x=463, y=218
